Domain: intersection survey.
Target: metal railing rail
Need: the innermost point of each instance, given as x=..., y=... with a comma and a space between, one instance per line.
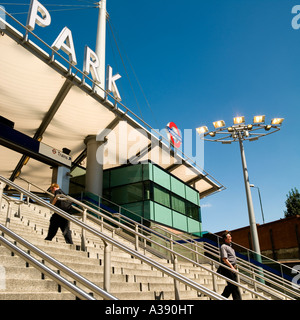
x=174, y=254
x=189, y=239
x=10, y=207
x=44, y=269
x=53, y=52
x=255, y=272
x=249, y=251
x=280, y=279
x=61, y=267
x=256, y=284
x=24, y=41
x=110, y=241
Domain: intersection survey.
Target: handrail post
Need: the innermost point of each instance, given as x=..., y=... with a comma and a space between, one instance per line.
x=196, y=252
x=136, y=229
x=8, y=216
x=102, y=222
x=28, y=189
x=107, y=266
x=176, y=283
x=83, y=232
x=2, y=186
x=253, y=276
x=214, y=280
x=174, y=260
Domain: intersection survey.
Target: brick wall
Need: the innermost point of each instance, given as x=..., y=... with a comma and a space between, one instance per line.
x=274, y=236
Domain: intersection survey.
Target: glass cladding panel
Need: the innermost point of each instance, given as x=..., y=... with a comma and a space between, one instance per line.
x=194, y=226
x=178, y=204
x=161, y=196
x=106, y=179
x=126, y=175
x=162, y=178
x=192, y=210
x=163, y=214
x=192, y=195
x=177, y=187
x=179, y=221
x=127, y=194
x=147, y=190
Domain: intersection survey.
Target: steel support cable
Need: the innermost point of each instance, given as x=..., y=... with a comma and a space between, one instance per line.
x=133, y=71
x=69, y=7
x=127, y=74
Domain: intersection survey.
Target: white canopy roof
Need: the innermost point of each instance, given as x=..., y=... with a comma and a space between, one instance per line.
x=45, y=100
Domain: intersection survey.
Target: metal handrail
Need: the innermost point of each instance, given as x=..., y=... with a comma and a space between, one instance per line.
x=255, y=272
x=44, y=269
x=215, y=251
x=256, y=269
x=172, y=252
x=253, y=252
x=135, y=227
x=175, y=275
x=189, y=239
x=117, y=104
x=61, y=267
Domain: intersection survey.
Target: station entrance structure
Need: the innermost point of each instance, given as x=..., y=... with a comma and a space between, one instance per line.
x=51, y=101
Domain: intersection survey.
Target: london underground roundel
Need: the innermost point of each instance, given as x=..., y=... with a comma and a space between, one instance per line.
x=174, y=134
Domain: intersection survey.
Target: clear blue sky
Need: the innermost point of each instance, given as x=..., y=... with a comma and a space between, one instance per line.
x=202, y=61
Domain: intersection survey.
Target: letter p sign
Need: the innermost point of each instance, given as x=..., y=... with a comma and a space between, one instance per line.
x=38, y=14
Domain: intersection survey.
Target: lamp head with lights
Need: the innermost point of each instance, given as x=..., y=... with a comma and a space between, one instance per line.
x=219, y=124
x=202, y=130
x=277, y=121
x=239, y=130
x=259, y=119
x=239, y=120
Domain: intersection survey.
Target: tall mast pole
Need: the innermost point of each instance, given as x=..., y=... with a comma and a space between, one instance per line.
x=100, y=46
x=253, y=227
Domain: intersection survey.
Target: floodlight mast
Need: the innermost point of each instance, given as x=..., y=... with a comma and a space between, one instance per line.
x=241, y=132
x=253, y=228
x=101, y=45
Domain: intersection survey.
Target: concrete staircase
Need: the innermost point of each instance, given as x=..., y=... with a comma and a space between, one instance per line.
x=130, y=279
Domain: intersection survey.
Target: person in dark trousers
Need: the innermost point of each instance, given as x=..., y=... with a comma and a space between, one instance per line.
x=228, y=257
x=57, y=221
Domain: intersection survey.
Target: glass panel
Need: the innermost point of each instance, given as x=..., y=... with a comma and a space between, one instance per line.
x=192, y=211
x=192, y=195
x=133, y=211
x=194, y=226
x=163, y=214
x=161, y=196
x=126, y=175
x=147, y=190
x=177, y=187
x=160, y=177
x=127, y=194
x=179, y=221
x=178, y=204
x=106, y=179
x=146, y=172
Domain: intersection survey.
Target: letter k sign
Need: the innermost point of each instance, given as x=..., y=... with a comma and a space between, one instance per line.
x=111, y=83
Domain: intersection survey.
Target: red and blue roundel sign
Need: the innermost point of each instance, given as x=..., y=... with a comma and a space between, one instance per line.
x=174, y=134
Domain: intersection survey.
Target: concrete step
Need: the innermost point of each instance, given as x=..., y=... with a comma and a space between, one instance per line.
x=130, y=279
x=36, y=296
x=30, y=285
